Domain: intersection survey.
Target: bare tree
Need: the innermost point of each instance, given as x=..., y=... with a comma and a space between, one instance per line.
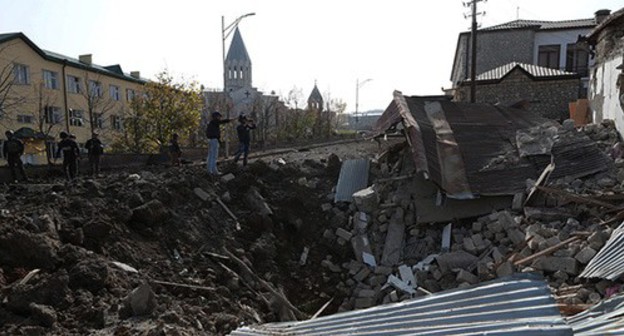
x=98, y=101
x=9, y=76
x=46, y=115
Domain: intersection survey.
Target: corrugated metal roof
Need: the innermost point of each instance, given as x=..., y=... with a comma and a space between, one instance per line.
x=518, y=305
x=544, y=25
x=485, y=137
x=535, y=71
x=353, y=177
x=609, y=262
x=604, y=318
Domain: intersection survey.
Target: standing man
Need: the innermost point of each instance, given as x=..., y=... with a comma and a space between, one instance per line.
x=71, y=153
x=174, y=150
x=95, y=150
x=213, y=133
x=13, y=149
x=244, y=125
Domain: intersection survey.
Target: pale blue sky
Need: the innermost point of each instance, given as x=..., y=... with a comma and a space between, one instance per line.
x=406, y=45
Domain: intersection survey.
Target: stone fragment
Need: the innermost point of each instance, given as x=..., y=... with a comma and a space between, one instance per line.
x=505, y=269
x=394, y=243
x=141, y=301
x=497, y=255
x=362, y=274
x=516, y=236
x=366, y=293
x=330, y=265
x=518, y=202
x=326, y=207
x=477, y=226
x=227, y=177
x=344, y=234
x=465, y=276
x=366, y=200
x=597, y=240
x=554, y=264
x=44, y=315
x=452, y=260
x=585, y=255
x=385, y=270
x=366, y=302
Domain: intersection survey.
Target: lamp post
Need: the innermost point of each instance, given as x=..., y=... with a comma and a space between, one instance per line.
x=358, y=85
x=225, y=32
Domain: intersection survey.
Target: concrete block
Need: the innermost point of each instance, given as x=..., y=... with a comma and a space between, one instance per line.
x=497, y=255
x=469, y=246
x=518, y=202
x=516, y=236
x=465, y=276
x=344, y=234
x=204, y=196
x=362, y=274
x=585, y=255
x=477, y=227
x=227, y=177
x=366, y=200
x=326, y=207
x=495, y=227
x=367, y=302
x=366, y=293
x=330, y=265
x=506, y=268
x=554, y=264
x=384, y=270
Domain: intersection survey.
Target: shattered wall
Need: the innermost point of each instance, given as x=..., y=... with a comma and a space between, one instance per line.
x=548, y=98
x=606, y=88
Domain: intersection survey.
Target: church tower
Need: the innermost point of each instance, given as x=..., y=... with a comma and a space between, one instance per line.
x=237, y=65
x=315, y=101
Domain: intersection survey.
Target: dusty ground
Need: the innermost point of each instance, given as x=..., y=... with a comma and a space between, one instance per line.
x=185, y=248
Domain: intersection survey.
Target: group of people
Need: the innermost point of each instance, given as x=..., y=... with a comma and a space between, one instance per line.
x=213, y=133
x=68, y=148
x=13, y=149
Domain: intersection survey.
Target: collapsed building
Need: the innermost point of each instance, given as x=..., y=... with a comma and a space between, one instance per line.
x=476, y=195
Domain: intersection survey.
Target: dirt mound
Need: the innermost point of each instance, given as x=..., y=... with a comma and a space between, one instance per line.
x=159, y=250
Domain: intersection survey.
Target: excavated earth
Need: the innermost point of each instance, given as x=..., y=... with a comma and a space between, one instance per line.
x=141, y=253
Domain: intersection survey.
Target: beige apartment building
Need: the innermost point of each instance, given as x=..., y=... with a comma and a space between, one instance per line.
x=43, y=93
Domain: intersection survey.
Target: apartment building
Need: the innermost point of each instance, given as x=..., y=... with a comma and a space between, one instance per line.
x=43, y=93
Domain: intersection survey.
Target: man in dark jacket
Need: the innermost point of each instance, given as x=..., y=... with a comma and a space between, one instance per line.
x=174, y=150
x=95, y=150
x=13, y=149
x=244, y=125
x=71, y=153
x=213, y=133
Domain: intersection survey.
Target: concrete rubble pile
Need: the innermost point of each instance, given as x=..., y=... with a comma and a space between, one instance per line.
x=556, y=233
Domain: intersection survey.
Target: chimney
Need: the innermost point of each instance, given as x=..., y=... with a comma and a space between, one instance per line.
x=601, y=15
x=86, y=59
x=135, y=74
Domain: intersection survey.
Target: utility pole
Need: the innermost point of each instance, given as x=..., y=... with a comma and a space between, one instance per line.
x=473, y=48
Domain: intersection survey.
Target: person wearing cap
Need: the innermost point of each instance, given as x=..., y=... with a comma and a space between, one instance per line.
x=213, y=133
x=95, y=149
x=13, y=149
x=71, y=153
x=243, y=128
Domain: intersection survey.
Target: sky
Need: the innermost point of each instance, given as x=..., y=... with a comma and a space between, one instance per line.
x=405, y=45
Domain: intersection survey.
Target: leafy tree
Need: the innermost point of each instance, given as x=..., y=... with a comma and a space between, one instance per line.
x=47, y=117
x=165, y=107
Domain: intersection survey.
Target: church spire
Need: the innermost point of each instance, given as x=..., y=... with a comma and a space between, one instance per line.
x=237, y=64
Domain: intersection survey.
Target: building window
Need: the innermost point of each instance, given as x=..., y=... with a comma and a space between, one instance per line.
x=22, y=74
x=548, y=56
x=95, y=89
x=577, y=59
x=116, y=123
x=52, y=115
x=129, y=95
x=51, y=149
x=114, y=92
x=73, y=84
x=76, y=118
x=24, y=119
x=99, y=120
x=50, y=80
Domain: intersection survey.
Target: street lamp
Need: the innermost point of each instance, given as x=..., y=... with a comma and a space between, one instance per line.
x=358, y=85
x=225, y=32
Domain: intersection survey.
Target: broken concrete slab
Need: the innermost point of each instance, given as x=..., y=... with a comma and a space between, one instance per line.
x=394, y=243
x=407, y=275
x=554, y=264
x=400, y=284
x=585, y=255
